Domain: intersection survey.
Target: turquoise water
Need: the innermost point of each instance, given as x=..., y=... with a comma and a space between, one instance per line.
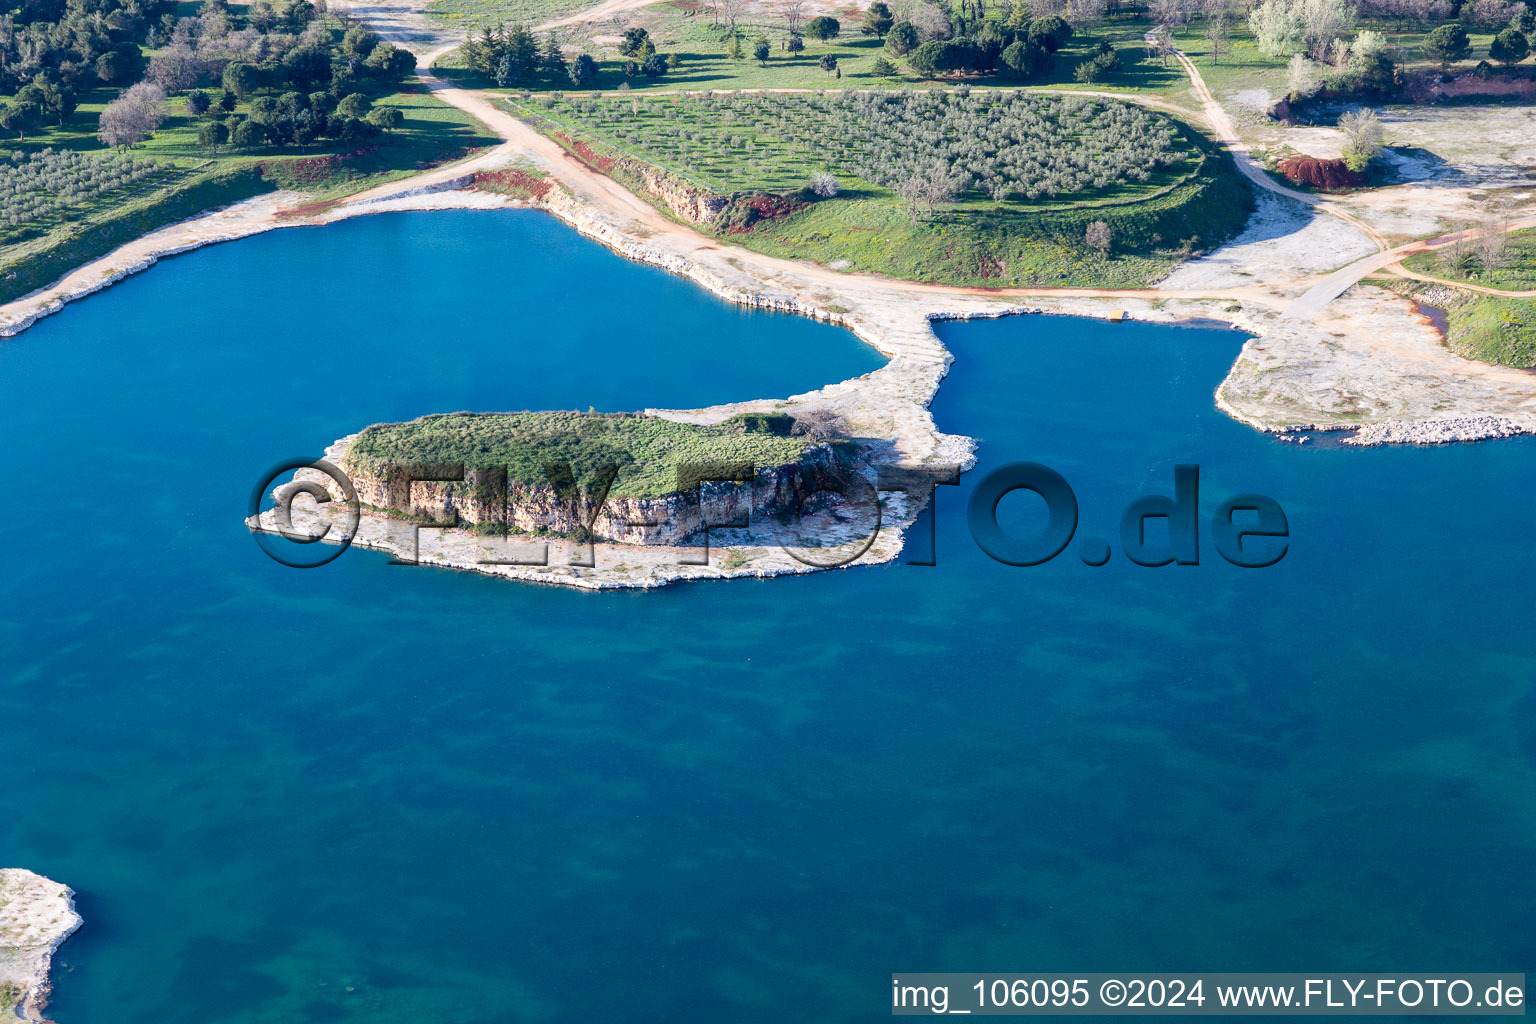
x=372, y=793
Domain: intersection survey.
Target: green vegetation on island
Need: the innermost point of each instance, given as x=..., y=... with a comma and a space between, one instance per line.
x=649, y=451
x=976, y=187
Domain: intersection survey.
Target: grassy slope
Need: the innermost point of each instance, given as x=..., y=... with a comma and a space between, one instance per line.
x=1519, y=273
x=649, y=451
x=1495, y=330
x=976, y=242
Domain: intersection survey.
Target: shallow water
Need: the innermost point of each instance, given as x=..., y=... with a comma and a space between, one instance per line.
x=374, y=793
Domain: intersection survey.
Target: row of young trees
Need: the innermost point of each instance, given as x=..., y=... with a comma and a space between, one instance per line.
x=48, y=183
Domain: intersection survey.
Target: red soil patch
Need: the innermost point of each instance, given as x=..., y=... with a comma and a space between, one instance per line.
x=308, y=209
x=513, y=183
x=1328, y=175
x=586, y=154
x=767, y=208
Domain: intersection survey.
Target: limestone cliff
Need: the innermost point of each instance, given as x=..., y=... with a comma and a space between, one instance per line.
x=671, y=519
x=36, y=916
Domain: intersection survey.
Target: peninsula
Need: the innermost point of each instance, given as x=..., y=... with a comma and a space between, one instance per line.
x=36, y=916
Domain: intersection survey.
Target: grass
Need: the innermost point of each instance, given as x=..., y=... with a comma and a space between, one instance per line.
x=1517, y=274
x=650, y=452
x=1494, y=330
x=774, y=144
x=432, y=133
x=975, y=242
x=684, y=27
x=466, y=14
x=196, y=180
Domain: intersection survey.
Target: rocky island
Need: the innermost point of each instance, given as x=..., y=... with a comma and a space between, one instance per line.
x=36, y=916
x=602, y=499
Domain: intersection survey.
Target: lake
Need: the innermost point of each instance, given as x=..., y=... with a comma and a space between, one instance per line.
x=368, y=793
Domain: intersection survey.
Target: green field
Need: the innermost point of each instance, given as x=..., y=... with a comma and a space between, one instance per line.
x=192, y=180
x=762, y=150
x=1516, y=273
x=1494, y=330
x=466, y=14
x=650, y=452
x=684, y=27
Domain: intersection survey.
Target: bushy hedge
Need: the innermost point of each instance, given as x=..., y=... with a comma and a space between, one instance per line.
x=648, y=450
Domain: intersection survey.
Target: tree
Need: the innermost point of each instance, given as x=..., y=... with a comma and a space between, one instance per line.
x=175, y=68
x=111, y=67
x=212, y=134
x=583, y=71
x=1510, y=47
x=762, y=51
x=1365, y=134
x=1447, y=44
x=20, y=117
x=1023, y=59
x=733, y=49
x=827, y=63
x=358, y=41
x=394, y=63
x=732, y=10
x=931, y=23
x=1098, y=236
x=902, y=39
x=508, y=71
x=1284, y=26
x=197, y=103
x=794, y=15
x=878, y=19
x=240, y=78
x=354, y=105
x=1275, y=28
x=883, y=68
x=1323, y=22
x=1304, y=77
x=1216, y=33
x=823, y=28
x=930, y=185
x=1050, y=33
x=925, y=59
x=654, y=66
x=386, y=119
x=824, y=185
x=794, y=44
x=552, y=61
x=248, y=134
x=133, y=117
x=1524, y=21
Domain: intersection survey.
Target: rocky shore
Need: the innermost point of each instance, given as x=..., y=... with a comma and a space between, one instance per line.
x=36, y=916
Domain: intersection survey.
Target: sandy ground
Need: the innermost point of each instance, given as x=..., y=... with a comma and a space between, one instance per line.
x=1284, y=243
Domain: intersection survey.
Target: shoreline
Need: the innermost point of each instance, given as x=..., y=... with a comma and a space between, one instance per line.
x=37, y=915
